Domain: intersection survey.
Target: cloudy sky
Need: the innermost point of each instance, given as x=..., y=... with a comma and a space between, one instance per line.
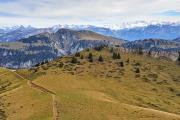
x=94, y=12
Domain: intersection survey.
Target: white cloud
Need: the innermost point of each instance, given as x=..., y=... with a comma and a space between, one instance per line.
x=50, y=12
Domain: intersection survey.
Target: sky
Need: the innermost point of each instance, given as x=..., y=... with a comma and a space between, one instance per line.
x=43, y=13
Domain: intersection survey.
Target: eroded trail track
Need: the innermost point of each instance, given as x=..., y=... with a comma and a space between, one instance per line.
x=40, y=88
x=56, y=109
x=99, y=96
x=55, y=103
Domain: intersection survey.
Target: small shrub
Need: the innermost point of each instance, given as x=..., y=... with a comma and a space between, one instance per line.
x=77, y=54
x=139, y=51
x=178, y=60
x=137, y=75
x=137, y=70
x=136, y=64
x=116, y=56
x=149, y=53
x=178, y=94
x=45, y=67
x=81, y=57
x=100, y=59
x=99, y=48
x=171, y=89
x=37, y=65
x=87, y=49
x=90, y=57
x=121, y=64
x=60, y=65
x=74, y=60
x=127, y=61
x=152, y=75
x=111, y=50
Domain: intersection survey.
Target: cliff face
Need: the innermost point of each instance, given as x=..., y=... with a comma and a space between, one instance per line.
x=158, y=48
x=27, y=52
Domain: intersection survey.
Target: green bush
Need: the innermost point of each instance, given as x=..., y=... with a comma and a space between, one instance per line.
x=116, y=56
x=81, y=57
x=137, y=70
x=74, y=60
x=127, y=60
x=60, y=65
x=90, y=57
x=178, y=60
x=111, y=50
x=100, y=59
x=77, y=54
x=99, y=48
x=121, y=64
x=139, y=51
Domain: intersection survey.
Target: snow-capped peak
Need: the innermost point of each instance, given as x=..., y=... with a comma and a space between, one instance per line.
x=137, y=24
x=8, y=27
x=126, y=25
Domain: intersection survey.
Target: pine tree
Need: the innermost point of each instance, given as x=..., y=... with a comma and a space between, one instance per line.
x=74, y=60
x=90, y=57
x=149, y=53
x=127, y=60
x=137, y=70
x=178, y=60
x=140, y=51
x=114, y=56
x=118, y=56
x=100, y=59
x=77, y=54
x=121, y=64
x=99, y=48
x=81, y=57
x=111, y=50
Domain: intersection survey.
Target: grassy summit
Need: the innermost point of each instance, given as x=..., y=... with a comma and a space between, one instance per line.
x=95, y=84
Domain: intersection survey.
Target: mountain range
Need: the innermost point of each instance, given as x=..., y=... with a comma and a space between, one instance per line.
x=23, y=47
x=168, y=31
x=134, y=31
x=29, y=51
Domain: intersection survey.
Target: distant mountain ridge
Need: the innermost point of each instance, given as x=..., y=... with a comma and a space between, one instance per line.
x=177, y=39
x=22, y=47
x=18, y=32
x=158, y=31
x=132, y=31
x=157, y=47
x=29, y=51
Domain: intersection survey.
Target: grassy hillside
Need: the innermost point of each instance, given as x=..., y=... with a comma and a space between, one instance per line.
x=85, y=87
x=89, y=35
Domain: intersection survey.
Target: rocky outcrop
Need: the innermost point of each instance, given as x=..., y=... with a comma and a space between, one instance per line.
x=158, y=48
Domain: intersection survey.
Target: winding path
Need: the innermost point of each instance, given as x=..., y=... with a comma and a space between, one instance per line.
x=4, y=74
x=55, y=103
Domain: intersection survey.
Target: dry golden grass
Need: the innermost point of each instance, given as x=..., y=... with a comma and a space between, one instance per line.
x=89, y=35
x=99, y=90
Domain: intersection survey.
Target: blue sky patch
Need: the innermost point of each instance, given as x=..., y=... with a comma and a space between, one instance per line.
x=171, y=13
